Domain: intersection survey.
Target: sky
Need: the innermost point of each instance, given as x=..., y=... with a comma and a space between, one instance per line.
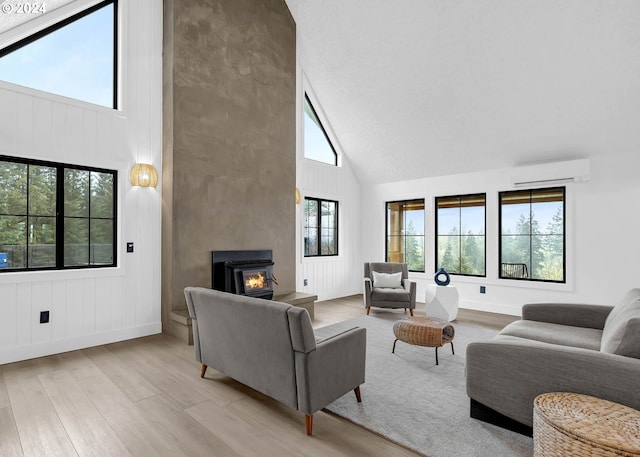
x=316, y=146
x=75, y=61
x=464, y=220
x=542, y=212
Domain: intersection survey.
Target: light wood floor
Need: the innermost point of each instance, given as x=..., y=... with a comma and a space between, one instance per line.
x=144, y=397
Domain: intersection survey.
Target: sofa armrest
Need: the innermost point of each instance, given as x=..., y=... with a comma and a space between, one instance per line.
x=574, y=314
x=507, y=373
x=329, y=337
x=333, y=369
x=367, y=291
x=411, y=287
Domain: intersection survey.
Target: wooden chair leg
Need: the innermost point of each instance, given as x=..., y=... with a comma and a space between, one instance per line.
x=411, y=312
x=203, y=369
x=358, y=397
x=308, y=422
x=368, y=309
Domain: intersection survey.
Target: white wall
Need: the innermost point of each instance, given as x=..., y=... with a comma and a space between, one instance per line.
x=90, y=307
x=602, y=235
x=335, y=276
x=341, y=275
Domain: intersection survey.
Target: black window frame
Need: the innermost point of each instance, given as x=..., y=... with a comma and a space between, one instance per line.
x=437, y=234
x=63, y=23
x=319, y=228
x=424, y=235
x=564, y=235
x=60, y=216
x=320, y=124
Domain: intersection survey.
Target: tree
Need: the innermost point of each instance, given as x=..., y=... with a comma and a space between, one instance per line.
x=33, y=226
x=553, y=246
x=449, y=251
x=472, y=255
x=414, y=248
x=76, y=213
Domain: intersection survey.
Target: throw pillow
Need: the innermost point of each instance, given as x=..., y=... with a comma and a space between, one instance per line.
x=388, y=280
x=621, y=334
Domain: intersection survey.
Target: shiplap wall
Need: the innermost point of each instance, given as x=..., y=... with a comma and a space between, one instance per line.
x=335, y=276
x=339, y=276
x=93, y=306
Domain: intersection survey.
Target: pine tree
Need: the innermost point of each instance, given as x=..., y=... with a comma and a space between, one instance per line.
x=414, y=248
x=553, y=246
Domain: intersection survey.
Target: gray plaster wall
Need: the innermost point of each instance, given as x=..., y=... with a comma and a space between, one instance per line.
x=229, y=158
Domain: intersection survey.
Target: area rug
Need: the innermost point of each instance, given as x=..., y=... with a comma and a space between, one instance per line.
x=410, y=400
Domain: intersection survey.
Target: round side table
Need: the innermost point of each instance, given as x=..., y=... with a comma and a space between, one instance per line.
x=567, y=424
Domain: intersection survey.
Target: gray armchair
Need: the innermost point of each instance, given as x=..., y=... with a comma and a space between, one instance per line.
x=387, y=285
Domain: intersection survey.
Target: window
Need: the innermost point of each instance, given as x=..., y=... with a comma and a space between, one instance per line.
x=460, y=240
x=317, y=145
x=532, y=235
x=75, y=58
x=55, y=216
x=405, y=233
x=320, y=227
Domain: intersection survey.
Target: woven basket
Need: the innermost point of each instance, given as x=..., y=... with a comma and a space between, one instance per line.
x=568, y=424
x=424, y=331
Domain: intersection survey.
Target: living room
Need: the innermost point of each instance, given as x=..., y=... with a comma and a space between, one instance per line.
x=420, y=100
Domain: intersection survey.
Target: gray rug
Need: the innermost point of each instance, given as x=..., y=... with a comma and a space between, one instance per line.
x=411, y=401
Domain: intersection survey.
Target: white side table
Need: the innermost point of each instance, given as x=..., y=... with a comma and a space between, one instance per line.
x=441, y=302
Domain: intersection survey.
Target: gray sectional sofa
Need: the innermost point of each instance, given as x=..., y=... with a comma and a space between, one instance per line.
x=271, y=347
x=556, y=347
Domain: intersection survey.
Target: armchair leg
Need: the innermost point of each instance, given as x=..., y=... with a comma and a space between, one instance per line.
x=368, y=310
x=308, y=422
x=358, y=397
x=203, y=369
x=411, y=312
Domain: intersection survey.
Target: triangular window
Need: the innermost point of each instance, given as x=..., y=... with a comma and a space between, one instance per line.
x=317, y=145
x=74, y=58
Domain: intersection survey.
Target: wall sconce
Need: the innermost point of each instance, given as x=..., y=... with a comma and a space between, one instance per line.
x=143, y=175
x=298, y=198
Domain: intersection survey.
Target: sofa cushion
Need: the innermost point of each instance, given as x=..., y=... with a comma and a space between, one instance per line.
x=621, y=333
x=564, y=335
x=392, y=280
x=390, y=295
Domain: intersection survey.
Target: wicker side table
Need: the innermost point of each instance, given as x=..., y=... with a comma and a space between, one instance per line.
x=424, y=331
x=568, y=424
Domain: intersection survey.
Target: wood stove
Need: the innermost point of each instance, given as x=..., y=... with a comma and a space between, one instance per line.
x=243, y=272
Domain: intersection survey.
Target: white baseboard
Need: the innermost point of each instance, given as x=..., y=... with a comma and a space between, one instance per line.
x=491, y=308
x=18, y=353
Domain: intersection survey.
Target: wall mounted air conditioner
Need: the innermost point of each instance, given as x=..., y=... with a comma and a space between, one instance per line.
x=551, y=174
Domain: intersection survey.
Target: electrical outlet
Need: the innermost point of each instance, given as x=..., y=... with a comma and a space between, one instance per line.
x=306, y=282
x=483, y=290
x=44, y=317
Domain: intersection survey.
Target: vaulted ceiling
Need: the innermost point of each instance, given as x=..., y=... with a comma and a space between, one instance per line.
x=419, y=88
